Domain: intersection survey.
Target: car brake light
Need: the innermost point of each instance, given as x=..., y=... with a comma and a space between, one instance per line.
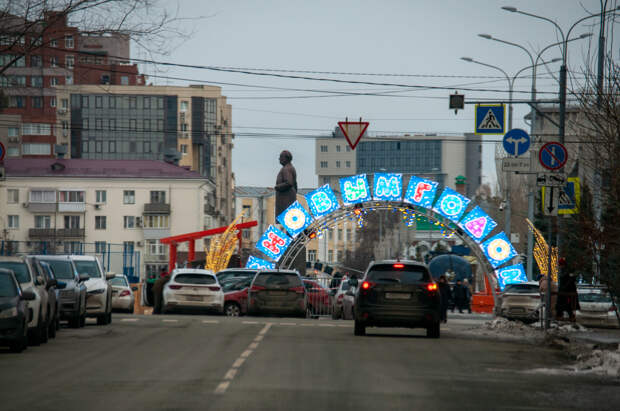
x=214, y=288
x=431, y=287
x=399, y=265
x=341, y=296
x=366, y=285
x=298, y=290
x=124, y=293
x=257, y=288
x=612, y=308
x=174, y=287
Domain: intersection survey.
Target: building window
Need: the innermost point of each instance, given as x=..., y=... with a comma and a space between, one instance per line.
x=73, y=247
x=36, y=129
x=69, y=61
x=146, y=124
x=52, y=101
x=129, y=197
x=158, y=197
x=13, y=221
x=72, y=221
x=42, y=196
x=325, y=180
x=12, y=151
x=132, y=102
x=100, y=222
x=69, y=80
x=147, y=146
x=160, y=102
x=337, y=163
x=129, y=221
x=36, y=149
x=124, y=80
x=69, y=44
x=184, y=148
x=13, y=131
x=156, y=221
x=84, y=101
x=348, y=163
x=17, y=101
x=323, y=149
x=98, y=101
x=54, y=43
x=132, y=124
x=101, y=247
x=98, y=124
x=330, y=234
x=323, y=164
x=36, y=61
x=64, y=103
x=42, y=221
x=71, y=196
x=348, y=235
x=37, y=102
x=338, y=148
x=85, y=124
x=112, y=148
x=12, y=196
x=312, y=255
x=155, y=247
x=330, y=256
x=348, y=149
x=100, y=196
x=160, y=125
x=36, y=81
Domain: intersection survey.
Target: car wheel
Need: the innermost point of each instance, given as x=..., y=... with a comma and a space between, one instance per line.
x=21, y=344
x=82, y=321
x=108, y=318
x=52, y=328
x=44, y=331
x=432, y=331
x=334, y=315
x=74, y=322
x=360, y=328
x=130, y=311
x=232, y=310
x=101, y=319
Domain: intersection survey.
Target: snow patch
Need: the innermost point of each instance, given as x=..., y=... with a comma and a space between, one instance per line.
x=599, y=362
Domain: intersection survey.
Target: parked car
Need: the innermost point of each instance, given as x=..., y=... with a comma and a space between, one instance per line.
x=348, y=303
x=192, y=289
x=236, y=295
x=396, y=293
x=71, y=288
x=338, y=297
x=38, y=326
x=98, y=291
x=277, y=292
x=14, y=312
x=43, y=269
x=596, y=308
x=317, y=296
x=235, y=272
x=521, y=302
x=122, y=294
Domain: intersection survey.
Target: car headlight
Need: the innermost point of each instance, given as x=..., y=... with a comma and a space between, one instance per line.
x=97, y=291
x=9, y=313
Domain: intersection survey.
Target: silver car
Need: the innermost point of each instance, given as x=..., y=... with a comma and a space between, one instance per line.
x=122, y=294
x=596, y=308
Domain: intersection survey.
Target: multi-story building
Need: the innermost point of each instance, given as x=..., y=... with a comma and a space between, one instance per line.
x=439, y=158
x=41, y=56
x=93, y=206
x=155, y=123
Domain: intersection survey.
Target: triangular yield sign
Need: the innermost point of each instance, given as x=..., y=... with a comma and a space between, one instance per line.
x=353, y=131
x=489, y=122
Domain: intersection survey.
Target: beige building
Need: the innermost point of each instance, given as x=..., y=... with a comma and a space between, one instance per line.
x=115, y=209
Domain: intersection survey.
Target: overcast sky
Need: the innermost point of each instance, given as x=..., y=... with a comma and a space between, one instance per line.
x=420, y=40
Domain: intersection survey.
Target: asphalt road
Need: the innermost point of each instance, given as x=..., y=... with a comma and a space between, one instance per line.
x=217, y=363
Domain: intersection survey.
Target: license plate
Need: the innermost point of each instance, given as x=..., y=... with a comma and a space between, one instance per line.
x=193, y=298
x=397, y=296
x=277, y=293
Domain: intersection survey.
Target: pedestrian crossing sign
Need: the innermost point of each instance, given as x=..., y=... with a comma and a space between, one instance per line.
x=490, y=118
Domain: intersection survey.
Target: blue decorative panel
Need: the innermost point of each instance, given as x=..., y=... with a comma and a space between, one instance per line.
x=498, y=249
x=388, y=187
x=512, y=274
x=295, y=219
x=421, y=192
x=322, y=201
x=451, y=204
x=259, y=263
x=355, y=189
x=273, y=243
x=477, y=224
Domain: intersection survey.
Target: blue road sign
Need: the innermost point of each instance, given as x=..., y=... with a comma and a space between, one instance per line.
x=490, y=118
x=553, y=156
x=516, y=142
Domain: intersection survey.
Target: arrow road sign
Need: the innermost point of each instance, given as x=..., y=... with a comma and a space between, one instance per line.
x=551, y=197
x=490, y=118
x=553, y=155
x=551, y=180
x=516, y=142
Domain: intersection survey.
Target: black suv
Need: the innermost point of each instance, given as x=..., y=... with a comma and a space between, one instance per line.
x=397, y=294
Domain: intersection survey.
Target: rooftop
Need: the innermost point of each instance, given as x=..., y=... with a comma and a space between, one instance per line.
x=51, y=167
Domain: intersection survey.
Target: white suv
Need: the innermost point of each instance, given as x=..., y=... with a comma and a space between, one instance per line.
x=98, y=291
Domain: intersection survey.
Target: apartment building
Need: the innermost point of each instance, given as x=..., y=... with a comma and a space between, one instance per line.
x=79, y=205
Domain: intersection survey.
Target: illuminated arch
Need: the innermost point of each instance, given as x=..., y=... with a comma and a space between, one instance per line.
x=447, y=208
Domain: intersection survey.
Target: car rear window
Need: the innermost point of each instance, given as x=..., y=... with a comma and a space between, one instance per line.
x=7, y=286
x=235, y=283
x=521, y=288
x=279, y=279
x=90, y=268
x=194, y=278
x=119, y=281
x=63, y=270
x=595, y=298
x=19, y=269
x=388, y=274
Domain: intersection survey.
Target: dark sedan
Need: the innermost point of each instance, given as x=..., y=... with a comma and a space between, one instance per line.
x=14, y=312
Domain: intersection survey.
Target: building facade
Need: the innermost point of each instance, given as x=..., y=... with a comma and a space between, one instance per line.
x=115, y=209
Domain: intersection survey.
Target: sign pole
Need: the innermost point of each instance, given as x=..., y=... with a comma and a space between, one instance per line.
x=548, y=291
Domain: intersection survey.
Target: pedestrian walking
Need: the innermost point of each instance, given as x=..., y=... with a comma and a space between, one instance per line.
x=461, y=298
x=470, y=292
x=446, y=296
x=158, y=291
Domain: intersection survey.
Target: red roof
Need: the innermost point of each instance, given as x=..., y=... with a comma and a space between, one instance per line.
x=52, y=167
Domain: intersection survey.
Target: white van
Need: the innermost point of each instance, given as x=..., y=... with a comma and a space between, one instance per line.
x=98, y=291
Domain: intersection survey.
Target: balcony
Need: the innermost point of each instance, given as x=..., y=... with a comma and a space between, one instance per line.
x=148, y=257
x=41, y=207
x=71, y=207
x=209, y=209
x=156, y=208
x=47, y=233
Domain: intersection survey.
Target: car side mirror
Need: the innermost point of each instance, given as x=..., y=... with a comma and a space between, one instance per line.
x=353, y=282
x=52, y=283
x=134, y=288
x=109, y=276
x=61, y=285
x=84, y=277
x=28, y=295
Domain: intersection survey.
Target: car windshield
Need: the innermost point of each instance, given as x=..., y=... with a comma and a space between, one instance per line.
x=7, y=286
x=521, y=288
x=388, y=274
x=194, y=278
x=120, y=281
x=279, y=279
x=90, y=268
x=19, y=269
x=594, y=298
x=63, y=270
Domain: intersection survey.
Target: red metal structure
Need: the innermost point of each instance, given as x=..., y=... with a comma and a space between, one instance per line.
x=191, y=238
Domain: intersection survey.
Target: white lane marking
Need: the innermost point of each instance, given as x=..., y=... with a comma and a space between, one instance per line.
x=265, y=329
x=288, y=323
x=170, y=321
x=221, y=389
x=253, y=346
x=259, y=338
x=210, y=322
x=130, y=320
x=249, y=322
x=230, y=374
x=307, y=325
x=326, y=325
x=344, y=326
x=238, y=362
x=246, y=353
